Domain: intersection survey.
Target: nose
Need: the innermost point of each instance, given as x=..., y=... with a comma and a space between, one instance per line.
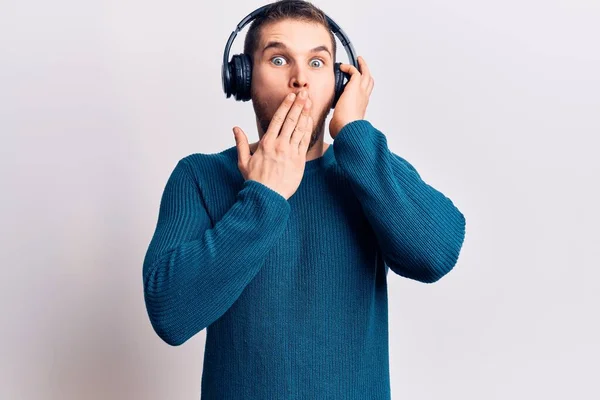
x=299, y=79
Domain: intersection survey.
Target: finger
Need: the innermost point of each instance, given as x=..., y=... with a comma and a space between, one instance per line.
x=243, y=149
x=302, y=125
x=279, y=117
x=303, y=148
x=350, y=68
x=293, y=116
x=365, y=72
x=354, y=78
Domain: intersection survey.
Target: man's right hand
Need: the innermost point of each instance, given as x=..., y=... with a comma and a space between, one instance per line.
x=280, y=157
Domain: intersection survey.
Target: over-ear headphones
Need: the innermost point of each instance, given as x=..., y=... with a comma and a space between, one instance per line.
x=237, y=73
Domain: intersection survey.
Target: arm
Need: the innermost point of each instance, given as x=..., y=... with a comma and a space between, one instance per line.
x=419, y=230
x=193, y=272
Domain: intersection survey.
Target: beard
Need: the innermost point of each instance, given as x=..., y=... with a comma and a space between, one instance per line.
x=264, y=116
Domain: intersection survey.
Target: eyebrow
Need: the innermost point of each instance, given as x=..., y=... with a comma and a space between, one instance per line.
x=280, y=45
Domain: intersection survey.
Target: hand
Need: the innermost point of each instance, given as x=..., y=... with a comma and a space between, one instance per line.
x=280, y=156
x=352, y=104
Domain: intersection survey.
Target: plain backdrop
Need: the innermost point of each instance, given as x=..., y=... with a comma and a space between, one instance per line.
x=495, y=103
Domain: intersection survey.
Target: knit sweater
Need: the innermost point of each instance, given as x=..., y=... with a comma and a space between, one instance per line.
x=293, y=293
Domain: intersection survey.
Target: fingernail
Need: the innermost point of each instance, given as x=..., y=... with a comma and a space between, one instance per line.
x=291, y=96
x=303, y=94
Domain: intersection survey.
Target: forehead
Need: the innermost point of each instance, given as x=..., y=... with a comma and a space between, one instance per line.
x=300, y=36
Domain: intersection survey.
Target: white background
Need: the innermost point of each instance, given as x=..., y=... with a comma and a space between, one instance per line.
x=495, y=103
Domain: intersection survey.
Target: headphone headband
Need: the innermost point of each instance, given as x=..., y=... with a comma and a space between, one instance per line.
x=225, y=74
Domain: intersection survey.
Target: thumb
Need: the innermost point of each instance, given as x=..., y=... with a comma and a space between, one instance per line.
x=243, y=149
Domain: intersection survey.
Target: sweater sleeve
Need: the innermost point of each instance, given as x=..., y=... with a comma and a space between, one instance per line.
x=193, y=271
x=419, y=230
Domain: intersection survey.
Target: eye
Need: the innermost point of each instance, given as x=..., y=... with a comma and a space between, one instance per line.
x=276, y=58
x=318, y=59
x=280, y=63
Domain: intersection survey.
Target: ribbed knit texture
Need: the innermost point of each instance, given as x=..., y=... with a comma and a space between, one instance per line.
x=293, y=293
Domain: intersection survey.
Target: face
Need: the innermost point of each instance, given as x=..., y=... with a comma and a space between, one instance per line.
x=293, y=55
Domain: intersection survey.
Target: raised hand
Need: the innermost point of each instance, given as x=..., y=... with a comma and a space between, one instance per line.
x=280, y=157
x=352, y=104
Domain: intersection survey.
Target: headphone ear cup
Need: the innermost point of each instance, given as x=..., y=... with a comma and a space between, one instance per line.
x=231, y=83
x=240, y=72
x=339, y=83
x=246, y=65
x=236, y=76
x=227, y=79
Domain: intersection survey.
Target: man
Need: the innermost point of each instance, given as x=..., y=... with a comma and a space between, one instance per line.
x=281, y=248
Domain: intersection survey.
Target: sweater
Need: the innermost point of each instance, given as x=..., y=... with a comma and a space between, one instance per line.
x=293, y=293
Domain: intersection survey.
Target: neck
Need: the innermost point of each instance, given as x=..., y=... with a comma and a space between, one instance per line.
x=317, y=150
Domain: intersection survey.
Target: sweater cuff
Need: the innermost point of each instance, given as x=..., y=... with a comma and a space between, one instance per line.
x=264, y=194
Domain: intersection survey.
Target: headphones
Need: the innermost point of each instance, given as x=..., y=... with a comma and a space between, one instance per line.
x=236, y=74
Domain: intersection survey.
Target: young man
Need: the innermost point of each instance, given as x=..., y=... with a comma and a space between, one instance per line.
x=281, y=248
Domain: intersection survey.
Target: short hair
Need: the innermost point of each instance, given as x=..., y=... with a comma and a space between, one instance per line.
x=286, y=9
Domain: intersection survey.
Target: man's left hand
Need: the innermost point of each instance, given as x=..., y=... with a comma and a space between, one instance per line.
x=352, y=104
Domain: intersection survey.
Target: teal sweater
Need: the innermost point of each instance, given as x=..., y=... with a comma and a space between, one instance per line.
x=293, y=293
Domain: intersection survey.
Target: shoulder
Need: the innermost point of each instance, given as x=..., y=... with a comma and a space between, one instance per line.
x=210, y=165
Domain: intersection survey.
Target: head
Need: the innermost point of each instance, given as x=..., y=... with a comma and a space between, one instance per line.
x=291, y=48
